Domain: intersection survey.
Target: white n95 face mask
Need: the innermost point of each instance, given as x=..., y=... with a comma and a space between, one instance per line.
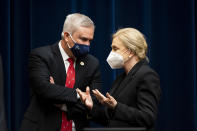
x=115, y=60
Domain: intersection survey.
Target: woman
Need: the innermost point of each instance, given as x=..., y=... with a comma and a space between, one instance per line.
x=134, y=97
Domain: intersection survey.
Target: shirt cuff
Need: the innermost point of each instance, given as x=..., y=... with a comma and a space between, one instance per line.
x=78, y=97
x=64, y=107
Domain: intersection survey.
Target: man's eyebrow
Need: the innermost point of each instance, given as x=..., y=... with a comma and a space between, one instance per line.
x=86, y=38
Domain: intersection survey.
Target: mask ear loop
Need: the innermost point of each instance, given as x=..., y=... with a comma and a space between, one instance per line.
x=72, y=37
x=65, y=39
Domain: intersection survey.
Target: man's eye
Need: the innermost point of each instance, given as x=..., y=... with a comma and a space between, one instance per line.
x=84, y=39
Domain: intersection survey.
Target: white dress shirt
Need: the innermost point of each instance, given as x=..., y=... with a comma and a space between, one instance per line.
x=66, y=64
x=65, y=57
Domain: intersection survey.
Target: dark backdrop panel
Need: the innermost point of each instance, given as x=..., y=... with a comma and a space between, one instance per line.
x=169, y=27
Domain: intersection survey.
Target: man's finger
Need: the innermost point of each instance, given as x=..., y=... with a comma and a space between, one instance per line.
x=78, y=90
x=80, y=93
x=87, y=90
x=51, y=80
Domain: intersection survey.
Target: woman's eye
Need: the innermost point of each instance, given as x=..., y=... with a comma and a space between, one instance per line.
x=116, y=48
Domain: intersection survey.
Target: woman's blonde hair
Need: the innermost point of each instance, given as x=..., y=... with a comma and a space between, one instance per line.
x=133, y=40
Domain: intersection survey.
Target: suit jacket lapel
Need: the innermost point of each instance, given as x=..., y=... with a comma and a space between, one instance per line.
x=77, y=75
x=61, y=72
x=80, y=64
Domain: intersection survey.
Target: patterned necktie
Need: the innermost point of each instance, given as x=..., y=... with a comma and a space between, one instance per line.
x=70, y=81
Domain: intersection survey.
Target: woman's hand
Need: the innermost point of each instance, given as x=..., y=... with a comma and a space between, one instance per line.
x=86, y=97
x=108, y=101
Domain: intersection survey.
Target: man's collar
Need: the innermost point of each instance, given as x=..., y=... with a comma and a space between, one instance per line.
x=63, y=53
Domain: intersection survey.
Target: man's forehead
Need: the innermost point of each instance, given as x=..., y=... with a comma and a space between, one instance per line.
x=86, y=32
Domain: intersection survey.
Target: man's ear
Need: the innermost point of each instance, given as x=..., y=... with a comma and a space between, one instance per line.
x=66, y=35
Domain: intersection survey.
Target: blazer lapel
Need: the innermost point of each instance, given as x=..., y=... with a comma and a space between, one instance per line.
x=120, y=86
x=117, y=83
x=123, y=83
x=60, y=72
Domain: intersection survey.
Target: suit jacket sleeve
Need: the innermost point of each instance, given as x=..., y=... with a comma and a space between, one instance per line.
x=39, y=79
x=148, y=94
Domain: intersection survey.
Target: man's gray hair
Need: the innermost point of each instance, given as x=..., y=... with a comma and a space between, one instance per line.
x=74, y=21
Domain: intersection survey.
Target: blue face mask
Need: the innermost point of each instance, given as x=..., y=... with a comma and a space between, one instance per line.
x=79, y=50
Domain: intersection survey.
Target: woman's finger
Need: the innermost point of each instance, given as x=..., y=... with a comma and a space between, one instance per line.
x=109, y=96
x=99, y=94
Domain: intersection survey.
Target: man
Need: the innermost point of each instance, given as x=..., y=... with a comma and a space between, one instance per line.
x=55, y=72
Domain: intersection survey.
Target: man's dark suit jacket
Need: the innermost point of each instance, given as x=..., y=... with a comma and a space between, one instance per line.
x=137, y=94
x=41, y=114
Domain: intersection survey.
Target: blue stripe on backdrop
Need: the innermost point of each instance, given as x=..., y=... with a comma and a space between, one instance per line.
x=169, y=27
x=193, y=28
x=5, y=51
x=8, y=65
x=113, y=28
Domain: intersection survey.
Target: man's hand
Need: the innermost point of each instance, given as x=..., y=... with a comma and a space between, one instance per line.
x=60, y=106
x=52, y=80
x=109, y=101
x=86, y=97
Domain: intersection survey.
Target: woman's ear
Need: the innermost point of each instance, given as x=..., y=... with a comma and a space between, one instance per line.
x=131, y=53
